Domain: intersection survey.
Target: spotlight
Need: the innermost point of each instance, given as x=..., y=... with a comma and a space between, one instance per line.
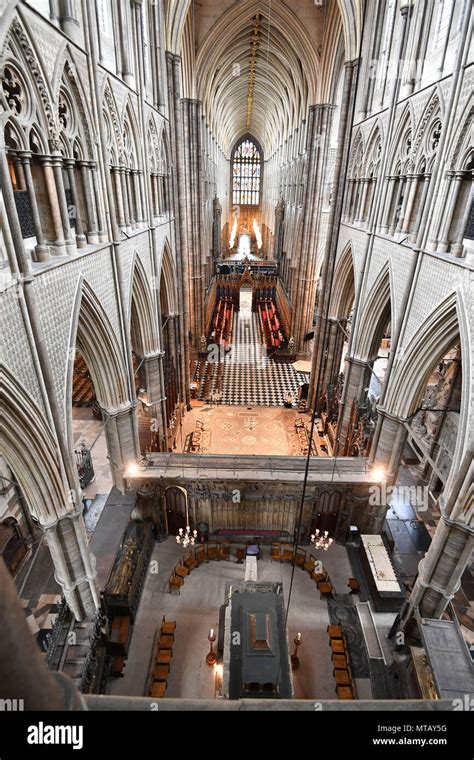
x=378, y=474
x=132, y=470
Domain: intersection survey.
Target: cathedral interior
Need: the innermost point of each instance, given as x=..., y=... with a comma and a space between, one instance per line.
x=236, y=353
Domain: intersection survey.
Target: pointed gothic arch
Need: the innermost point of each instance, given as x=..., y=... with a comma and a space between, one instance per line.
x=142, y=319
x=25, y=430
x=373, y=320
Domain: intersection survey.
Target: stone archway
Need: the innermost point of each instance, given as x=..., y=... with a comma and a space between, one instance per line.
x=30, y=450
x=92, y=334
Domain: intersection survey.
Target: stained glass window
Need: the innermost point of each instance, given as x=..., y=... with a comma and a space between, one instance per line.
x=246, y=174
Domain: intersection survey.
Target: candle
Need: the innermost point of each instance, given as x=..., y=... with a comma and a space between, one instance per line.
x=211, y=633
x=298, y=637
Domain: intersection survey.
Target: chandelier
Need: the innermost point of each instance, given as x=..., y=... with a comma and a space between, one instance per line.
x=186, y=538
x=321, y=541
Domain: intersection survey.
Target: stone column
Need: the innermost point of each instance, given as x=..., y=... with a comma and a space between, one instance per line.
x=394, y=221
x=216, y=228
x=121, y=433
x=401, y=218
x=136, y=174
x=426, y=184
x=388, y=443
x=80, y=237
x=92, y=234
x=457, y=247
x=41, y=249
x=411, y=194
x=363, y=196
x=118, y=194
x=155, y=401
x=126, y=206
x=74, y=565
x=59, y=243
x=131, y=198
x=355, y=381
x=98, y=207
x=57, y=163
x=385, y=220
x=456, y=182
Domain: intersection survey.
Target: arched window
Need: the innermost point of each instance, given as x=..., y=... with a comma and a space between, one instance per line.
x=246, y=174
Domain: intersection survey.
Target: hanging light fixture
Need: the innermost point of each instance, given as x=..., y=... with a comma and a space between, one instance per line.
x=321, y=541
x=186, y=537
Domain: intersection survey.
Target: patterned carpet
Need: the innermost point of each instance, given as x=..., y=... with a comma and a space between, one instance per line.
x=250, y=376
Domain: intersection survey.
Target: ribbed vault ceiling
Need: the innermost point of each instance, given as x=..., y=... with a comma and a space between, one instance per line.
x=286, y=74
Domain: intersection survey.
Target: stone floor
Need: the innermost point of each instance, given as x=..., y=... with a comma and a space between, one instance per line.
x=88, y=431
x=245, y=430
x=196, y=610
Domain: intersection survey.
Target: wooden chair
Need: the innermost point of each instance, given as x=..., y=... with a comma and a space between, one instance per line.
x=161, y=672
x=275, y=552
x=240, y=554
x=325, y=589
x=344, y=692
x=175, y=584
x=224, y=551
x=339, y=661
x=300, y=557
x=353, y=584
x=166, y=641
x=212, y=550
x=342, y=677
x=287, y=553
x=167, y=626
x=164, y=657
x=319, y=577
x=334, y=631
x=189, y=561
x=200, y=554
x=310, y=564
x=181, y=571
x=337, y=646
x=158, y=689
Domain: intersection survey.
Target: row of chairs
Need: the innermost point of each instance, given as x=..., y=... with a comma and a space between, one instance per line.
x=162, y=654
x=345, y=686
x=195, y=557
x=284, y=553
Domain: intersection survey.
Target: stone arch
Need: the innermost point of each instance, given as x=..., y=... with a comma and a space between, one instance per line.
x=141, y=313
x=24, y=429
x=167, y=278
x=435, y=336
x=343, y=291
x=374, y=317
x=43, y=483
x=93, y=334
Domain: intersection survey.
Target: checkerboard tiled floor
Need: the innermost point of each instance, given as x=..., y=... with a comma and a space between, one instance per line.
x=250, y=376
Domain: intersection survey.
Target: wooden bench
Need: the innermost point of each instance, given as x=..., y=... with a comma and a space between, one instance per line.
x=212, y=550
x=161, y=672
x=334, y=631
x=337, y=646
x=342, y=677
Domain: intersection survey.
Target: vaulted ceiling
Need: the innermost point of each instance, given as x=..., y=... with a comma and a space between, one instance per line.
x=263, y=88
